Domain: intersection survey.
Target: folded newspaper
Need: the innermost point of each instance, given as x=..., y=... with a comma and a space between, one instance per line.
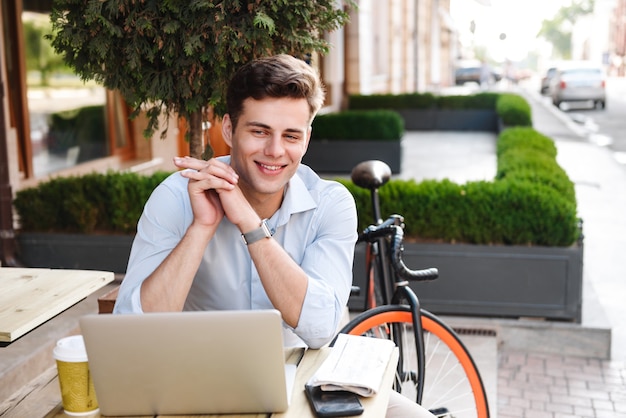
x=356, y=364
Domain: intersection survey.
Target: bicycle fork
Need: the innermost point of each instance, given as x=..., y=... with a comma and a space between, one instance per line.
x=400, y=296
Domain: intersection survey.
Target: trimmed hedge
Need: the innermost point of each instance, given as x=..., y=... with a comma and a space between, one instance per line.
x=531, y=201
x=392, y=101
x=374, y=117
x=358, y=124
x=422, y=101
x=512, y=109
x=110, y=203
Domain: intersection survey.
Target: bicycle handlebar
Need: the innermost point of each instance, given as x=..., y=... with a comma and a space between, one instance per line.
x=390, y=228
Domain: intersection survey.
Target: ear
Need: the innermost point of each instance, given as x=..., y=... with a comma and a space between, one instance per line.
x=227, y=130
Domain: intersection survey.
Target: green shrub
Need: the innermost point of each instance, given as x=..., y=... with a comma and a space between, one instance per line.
x=482, y=100
x=110, y=202
x=359, y=124
x=531, y=200
x=526, y=155
x=472, y=101
x=513, y=110
x=392, y=101
x=524, y=138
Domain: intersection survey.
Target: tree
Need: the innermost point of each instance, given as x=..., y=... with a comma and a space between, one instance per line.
x=558, y=30
x=178, y=55
x=40, y=56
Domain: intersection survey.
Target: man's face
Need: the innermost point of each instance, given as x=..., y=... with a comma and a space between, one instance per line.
x=267, y=146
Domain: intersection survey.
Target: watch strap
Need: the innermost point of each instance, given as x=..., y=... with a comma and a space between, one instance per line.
x=263, y=231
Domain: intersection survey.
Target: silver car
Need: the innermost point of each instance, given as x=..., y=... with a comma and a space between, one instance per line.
x=579, y=83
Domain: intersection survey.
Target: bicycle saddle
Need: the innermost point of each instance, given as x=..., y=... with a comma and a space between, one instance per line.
x=371, y=174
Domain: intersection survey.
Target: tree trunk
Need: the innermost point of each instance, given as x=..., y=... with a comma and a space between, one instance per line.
x=196, y=145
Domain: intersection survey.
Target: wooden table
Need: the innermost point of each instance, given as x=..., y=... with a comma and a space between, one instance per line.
x=30, y=296
x=375, y=407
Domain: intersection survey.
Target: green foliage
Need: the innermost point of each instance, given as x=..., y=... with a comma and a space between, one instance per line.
x=110, y=203
x=523, y=138
x=423, y=101
x=558, y=30
x=358, y=124
x=472, y=101
x=178, y=55
x=39, y=53
x=513, y=110
x=530, y=202
x=77, y=126
x=392, y=101
x=484, y=100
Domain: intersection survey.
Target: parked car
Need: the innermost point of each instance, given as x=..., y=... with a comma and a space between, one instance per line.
x=545, y=81
x=579, y=83
x=472, y=74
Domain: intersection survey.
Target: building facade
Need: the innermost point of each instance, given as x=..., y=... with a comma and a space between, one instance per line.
x=389, y=46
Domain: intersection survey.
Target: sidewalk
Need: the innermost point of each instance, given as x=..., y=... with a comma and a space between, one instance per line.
x=535, y=379
x=535, y=385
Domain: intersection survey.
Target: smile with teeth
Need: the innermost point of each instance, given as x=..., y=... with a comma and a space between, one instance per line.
x=271, y=167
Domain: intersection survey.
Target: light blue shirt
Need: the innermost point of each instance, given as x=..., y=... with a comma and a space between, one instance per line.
x=316, y=224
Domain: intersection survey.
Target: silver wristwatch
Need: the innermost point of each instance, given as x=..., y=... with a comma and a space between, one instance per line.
x=255, y=235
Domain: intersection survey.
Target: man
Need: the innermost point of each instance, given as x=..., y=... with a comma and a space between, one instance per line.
x=256, y=229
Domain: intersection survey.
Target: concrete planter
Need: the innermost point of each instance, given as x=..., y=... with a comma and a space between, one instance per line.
x=449, y=119
x=340, y=156
x=495, y=281
x=75, y=251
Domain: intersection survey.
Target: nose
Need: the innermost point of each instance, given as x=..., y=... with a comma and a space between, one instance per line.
x=274, y=146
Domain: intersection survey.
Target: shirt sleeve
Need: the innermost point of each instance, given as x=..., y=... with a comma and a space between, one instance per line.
x=328, y=264
x=161, y=226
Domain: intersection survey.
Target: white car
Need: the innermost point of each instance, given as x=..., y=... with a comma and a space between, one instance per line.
x=579, y=82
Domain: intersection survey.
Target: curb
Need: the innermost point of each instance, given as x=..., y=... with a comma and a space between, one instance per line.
x=556, y=112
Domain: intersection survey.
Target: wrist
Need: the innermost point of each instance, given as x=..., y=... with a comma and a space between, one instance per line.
x=260, y=232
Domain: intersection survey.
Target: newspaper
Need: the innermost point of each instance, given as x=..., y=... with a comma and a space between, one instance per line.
x=356, y=364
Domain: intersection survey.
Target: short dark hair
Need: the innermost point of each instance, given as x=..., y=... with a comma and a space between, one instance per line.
x=276, y=76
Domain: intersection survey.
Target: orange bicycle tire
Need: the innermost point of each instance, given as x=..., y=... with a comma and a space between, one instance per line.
x=402, y=314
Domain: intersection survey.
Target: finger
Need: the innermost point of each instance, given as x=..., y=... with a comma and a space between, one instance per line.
x=212, y=166
x=192, y=163
x=207, y=181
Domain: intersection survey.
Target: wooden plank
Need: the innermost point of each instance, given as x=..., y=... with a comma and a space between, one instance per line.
x=29, y=297
x=45, y=388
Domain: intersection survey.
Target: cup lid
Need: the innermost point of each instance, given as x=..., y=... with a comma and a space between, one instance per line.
x=70, y=349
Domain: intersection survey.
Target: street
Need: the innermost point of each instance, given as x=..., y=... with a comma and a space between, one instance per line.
x=604, y=127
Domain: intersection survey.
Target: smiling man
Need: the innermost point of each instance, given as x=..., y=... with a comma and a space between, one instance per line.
x=256, y=229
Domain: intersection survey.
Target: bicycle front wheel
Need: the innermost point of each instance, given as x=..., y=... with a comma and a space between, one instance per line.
x=452, y=384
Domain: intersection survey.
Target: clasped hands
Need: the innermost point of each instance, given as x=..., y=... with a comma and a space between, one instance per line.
x=213, y=191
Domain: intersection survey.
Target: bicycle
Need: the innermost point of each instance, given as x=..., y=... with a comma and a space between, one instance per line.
x=434, y=368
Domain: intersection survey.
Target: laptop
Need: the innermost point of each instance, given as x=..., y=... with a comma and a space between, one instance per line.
x=214, y=362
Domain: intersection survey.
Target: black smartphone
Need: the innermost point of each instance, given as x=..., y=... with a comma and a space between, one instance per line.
x=333, y=403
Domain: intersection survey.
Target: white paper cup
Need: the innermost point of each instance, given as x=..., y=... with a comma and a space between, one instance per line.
x=77, y=391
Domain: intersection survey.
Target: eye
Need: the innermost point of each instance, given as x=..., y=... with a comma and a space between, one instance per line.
x=291, y=137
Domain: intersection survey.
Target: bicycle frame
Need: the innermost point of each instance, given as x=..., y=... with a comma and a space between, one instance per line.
x=403, y=294
x=395, y=290
x=389, y=276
